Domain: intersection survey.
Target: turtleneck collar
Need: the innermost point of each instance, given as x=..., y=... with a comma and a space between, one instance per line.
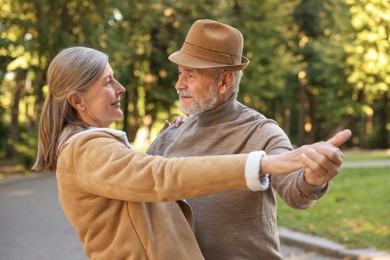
x=227, y=111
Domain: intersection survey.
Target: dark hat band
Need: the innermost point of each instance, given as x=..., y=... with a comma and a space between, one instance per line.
x=210, y=55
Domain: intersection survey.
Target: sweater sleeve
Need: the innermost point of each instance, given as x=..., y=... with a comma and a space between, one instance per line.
x=291, y=188
x=104, y=166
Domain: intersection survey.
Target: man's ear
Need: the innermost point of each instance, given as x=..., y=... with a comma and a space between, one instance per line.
x=76, y=101
x=226, y=83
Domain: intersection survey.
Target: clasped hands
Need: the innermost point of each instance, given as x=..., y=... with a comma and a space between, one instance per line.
x=321, y=161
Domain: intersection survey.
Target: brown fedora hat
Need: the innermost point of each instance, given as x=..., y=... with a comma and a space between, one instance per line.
x=210, y=44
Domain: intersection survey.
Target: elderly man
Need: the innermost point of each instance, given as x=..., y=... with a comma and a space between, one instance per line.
x=234, y=224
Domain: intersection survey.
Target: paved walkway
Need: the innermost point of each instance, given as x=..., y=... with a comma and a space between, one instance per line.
x=367, y=164
x=33, y=226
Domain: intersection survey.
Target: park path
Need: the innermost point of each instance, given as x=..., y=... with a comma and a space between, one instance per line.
x=366, y=164
x=32, y=224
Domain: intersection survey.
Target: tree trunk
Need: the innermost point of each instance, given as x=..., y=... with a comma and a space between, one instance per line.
x=13, y=134
x=287, y=120
x=383, y=121
x=311, y=113
x=301, y=116
x=39, y=98
x=132, y=115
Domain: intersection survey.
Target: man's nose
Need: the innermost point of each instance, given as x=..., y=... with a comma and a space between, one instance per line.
x=180, y=84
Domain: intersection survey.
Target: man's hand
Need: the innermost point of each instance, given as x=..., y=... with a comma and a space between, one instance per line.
x=340, y=138
x=322, y=160
x=177, y=121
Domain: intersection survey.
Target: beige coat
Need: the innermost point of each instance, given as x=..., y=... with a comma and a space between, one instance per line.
x=122, y=202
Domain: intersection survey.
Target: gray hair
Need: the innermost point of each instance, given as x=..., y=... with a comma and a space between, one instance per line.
x=237, y=75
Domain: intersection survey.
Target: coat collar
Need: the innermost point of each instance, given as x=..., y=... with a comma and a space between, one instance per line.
x=70, y=134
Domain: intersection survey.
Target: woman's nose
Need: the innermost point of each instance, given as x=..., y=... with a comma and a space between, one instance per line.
x=120, y=89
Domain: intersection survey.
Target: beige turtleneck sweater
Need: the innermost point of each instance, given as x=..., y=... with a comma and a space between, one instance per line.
x=236, y=224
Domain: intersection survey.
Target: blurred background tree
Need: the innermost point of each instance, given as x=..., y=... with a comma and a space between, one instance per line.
x=316, y=66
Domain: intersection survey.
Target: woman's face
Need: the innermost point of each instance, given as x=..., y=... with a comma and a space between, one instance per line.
x=101, y=102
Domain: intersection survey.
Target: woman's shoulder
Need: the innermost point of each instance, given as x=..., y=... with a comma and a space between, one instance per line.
x=92, y=133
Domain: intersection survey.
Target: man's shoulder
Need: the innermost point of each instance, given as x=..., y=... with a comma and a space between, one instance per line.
x=253, y=114
x=163, y=140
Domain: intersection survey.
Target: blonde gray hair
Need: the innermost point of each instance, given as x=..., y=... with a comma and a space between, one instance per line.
x=72, y=70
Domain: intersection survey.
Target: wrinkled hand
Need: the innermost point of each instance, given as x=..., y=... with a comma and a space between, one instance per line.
x=322, y=160
x=177, y=121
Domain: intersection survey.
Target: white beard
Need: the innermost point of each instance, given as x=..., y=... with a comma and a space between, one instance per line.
x=198, y=107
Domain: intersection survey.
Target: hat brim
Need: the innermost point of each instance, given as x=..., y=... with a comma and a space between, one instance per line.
x=184, y=59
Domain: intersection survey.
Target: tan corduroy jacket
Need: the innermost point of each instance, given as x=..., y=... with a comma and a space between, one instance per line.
x=122, y=202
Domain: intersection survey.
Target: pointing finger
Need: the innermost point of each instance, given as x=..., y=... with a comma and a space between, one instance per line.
x=340, y=138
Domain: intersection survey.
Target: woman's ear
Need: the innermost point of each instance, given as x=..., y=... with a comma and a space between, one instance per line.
x=76, y=101
x=226, y=82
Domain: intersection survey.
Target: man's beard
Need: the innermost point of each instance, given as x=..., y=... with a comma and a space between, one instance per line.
x=197, y=107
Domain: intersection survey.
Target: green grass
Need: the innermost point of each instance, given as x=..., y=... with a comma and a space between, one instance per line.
x=355, y=212
x=366, y=155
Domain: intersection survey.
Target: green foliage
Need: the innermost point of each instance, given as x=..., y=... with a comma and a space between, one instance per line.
x=354, y=212
x=316, y=66
x=369, y=69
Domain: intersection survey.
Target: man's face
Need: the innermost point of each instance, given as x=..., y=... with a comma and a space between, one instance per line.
x=197, y=90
